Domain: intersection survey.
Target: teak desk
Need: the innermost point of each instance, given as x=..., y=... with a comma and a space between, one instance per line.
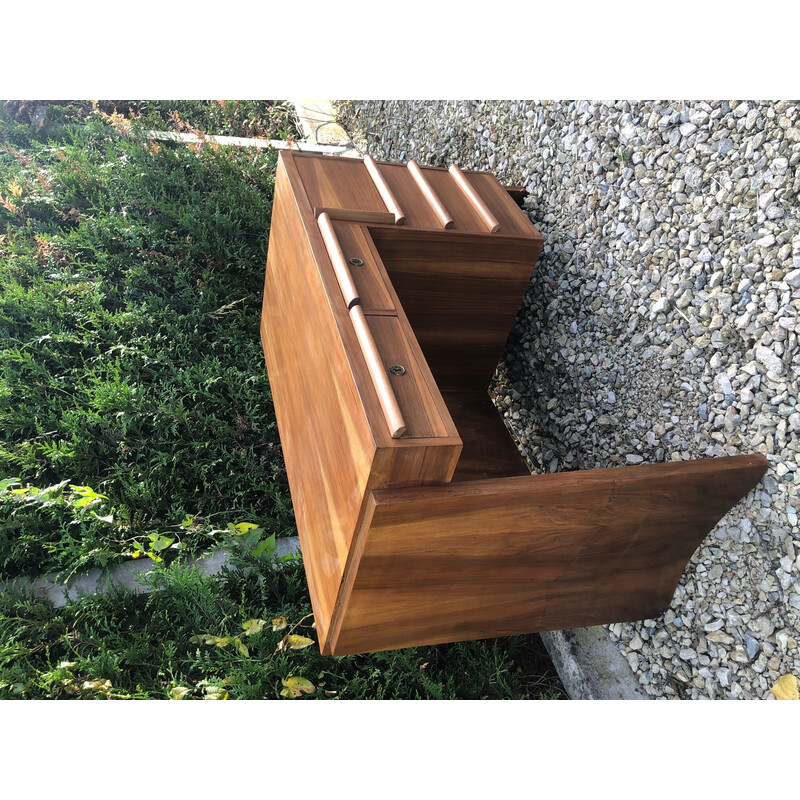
x=390, y=291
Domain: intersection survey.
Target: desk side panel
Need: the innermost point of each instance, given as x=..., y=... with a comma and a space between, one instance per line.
x=327, y=444
x=531, y=553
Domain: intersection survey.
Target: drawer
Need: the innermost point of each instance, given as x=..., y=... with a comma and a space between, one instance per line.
x=338, y=183
x=362, y=262
x=399, y=374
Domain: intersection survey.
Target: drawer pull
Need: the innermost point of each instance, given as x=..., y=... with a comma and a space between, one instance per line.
x=483, y=211
x=338, y=260
x=430, y=195
x=386, y=397
x=383, y=189
x=355, y=215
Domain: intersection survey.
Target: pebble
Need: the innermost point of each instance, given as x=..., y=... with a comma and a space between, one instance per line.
x=671, y=261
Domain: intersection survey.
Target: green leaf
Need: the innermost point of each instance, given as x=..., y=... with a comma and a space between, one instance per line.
x=266, y=548
x=87, y=492
x=253, y=626
x=161, y=542
x=83, y=502
x=296, y=687
x=203, y=638
x=6, y=482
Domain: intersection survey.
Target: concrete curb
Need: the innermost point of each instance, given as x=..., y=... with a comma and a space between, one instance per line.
x=590, y=667
x=130, y=575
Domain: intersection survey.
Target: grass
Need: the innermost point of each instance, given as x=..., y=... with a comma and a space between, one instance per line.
x=146, y=646
x=136, y=420
x=130, y=282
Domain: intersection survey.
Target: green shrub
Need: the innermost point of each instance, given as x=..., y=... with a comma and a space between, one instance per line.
x=130, y=283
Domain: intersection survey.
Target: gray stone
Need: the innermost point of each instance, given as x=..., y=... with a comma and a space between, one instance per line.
x=768, y=358
x=793, y=278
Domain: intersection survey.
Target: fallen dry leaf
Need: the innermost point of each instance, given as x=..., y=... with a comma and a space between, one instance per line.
x=786, y=688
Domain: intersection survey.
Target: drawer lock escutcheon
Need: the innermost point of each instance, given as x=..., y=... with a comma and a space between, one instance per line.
x=397, y=369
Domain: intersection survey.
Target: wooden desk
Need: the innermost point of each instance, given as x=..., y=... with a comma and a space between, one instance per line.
x=389, y=294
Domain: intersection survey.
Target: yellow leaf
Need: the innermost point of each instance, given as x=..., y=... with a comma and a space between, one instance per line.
x=241, y=647
x=222, y=641
x=279, y=623
x=215, y=693
x=179, y=692
x=296, y=687
x=786, y=688
x=243, y=527
x=97, y=686
x=253, y=626
x=15, y=189
x=136, y=554
x=294, y=642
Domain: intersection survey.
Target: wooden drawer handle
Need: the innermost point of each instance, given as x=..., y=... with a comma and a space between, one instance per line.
x=391, y=410
x=430, y=195
x=458, y=176
x=354, y=215
x=384, y=190
x=338, y=260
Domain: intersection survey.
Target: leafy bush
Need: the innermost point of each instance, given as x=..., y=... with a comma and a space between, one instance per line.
x=237, y=636
x=130, y=281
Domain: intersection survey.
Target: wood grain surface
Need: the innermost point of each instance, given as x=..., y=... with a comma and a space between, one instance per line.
x=372, y=331
x=488, y=219
x=433, y=199
x=311, y=382
x=489, y=450
x=384, y=190
x=461, y=312
x=528, y=554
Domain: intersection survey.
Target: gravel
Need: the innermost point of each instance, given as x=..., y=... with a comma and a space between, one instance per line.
x=662, y=323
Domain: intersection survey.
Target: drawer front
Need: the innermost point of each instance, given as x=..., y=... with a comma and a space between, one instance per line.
x=342, y=183
x=362, y=263
x=406, y=378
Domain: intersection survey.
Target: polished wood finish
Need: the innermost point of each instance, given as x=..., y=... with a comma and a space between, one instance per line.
x=536, y=553
x=417, y=518
x=384, y=190
x=489, y=451
x=354, y=215
x=461, y=304
x=371, y=282
x=489, y=219
x=349, y=291
x=427, y=192
x=378, y=371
